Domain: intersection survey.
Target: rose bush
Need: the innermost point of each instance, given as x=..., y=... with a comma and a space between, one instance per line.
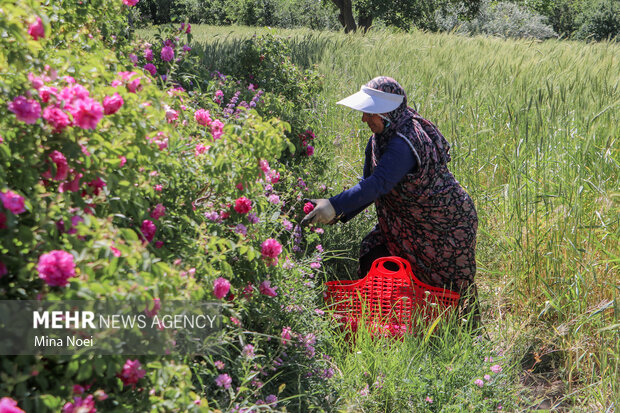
x=122, y=184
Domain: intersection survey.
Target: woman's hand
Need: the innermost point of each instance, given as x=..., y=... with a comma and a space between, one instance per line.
x=323, y=213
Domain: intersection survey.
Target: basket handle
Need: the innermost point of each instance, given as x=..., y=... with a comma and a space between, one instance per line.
x=379, y=265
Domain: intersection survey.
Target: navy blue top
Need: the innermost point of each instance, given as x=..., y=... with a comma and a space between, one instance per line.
x=397, y=161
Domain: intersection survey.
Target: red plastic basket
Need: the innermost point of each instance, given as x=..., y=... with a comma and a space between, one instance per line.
x=389, y=301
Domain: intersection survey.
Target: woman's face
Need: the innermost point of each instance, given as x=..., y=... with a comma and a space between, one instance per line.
x=374, y=122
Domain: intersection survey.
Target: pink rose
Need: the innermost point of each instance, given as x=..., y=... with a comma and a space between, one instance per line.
x=73, y=185
x=203, y=117
x=171, y=115
x=150, y=67
x=56, y=267
x=87, y=113
x=131, y=373
x=36, y=30
x=46, y=92
x=13, y=202
x=243, y=205
x=217, y=128
x=266, y=288
x=62, y=168
x=148, y=230
x=134, y=86
x=270, y=249
x=96, y=184
x=200, y=149
x=221, y=286
x=167, y=53
x=36, y=82
x=111, y=104
x=308, y=207
x=26, y=110
x=74, y=92
x=158, y=212
x=8, y=405
x=57, y=118
x=264, y=166
x=273, y=176
x=218, y=96
x=123, y=160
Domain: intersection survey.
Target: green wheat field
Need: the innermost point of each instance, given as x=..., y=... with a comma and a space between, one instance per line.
x=535, y=135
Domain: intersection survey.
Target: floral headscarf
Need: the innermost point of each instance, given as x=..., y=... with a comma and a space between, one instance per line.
x=401, y=120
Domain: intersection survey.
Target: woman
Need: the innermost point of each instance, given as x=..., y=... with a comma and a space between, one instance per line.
x=424, y=215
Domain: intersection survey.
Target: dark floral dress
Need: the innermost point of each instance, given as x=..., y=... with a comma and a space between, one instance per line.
x=427, y=218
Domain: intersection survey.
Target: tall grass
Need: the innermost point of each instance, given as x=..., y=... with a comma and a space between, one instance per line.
x=535, y=134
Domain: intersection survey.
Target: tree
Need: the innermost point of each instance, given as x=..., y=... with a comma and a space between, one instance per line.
x=400, y=13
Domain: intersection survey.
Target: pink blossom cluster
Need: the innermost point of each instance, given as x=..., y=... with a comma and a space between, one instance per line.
x=56, y=267
x=306, y=138
x=271, y=175
x=131, y=373
x=71, y=106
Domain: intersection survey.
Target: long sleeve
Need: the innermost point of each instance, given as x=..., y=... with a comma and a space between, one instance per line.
x=396, y=162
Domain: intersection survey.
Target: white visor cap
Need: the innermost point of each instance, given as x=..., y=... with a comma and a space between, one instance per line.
x=371, y=100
